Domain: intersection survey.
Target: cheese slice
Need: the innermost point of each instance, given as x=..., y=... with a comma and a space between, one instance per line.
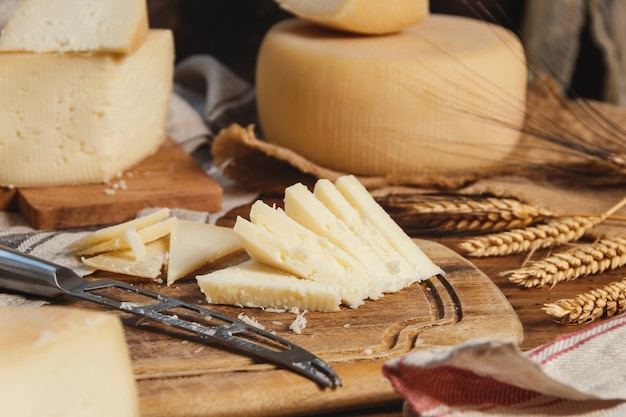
x=447, y=93
x=58, y=361
x=253, y=284
x=267, y=248
x=125, y=261
x=372, y=17
x=144, y=235
x=76, y=26
x=82, y=118
x=194, y=244
x=352, y=189
x=114, y=231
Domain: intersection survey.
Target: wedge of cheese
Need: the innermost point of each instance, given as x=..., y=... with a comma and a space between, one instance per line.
x=194, y=244
x=445, y=94
x=76, y=26
x=253, y=284
x=82, y=118
x=58, y=361
x=371, y=17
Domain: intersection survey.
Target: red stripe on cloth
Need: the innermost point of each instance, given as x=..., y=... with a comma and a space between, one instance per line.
x=426, y=389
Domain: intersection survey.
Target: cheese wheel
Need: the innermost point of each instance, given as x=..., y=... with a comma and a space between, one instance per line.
x=371, y=17
x=447, y=93
x=59, y=361
x=76, y=26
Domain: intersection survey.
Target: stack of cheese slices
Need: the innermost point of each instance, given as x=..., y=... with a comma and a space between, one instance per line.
x=84, y=90
x=376, y=87
x=328, y=246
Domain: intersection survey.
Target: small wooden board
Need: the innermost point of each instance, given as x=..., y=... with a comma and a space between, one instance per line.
x=181, y=377
x=169, y=178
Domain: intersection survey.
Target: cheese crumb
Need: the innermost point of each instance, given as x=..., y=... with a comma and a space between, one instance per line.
x=250, y=321
x=299, y=323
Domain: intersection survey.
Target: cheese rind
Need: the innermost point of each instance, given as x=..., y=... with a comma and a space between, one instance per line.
x=58, y=361
x=82, y=118
x=253, y=284
x=372, y=17
x=194, y=244
x=76, y=26
x=445, y=94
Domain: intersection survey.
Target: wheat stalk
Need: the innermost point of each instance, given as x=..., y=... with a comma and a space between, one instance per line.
x=546, y=235
x=460, y=213
x=580, y=261
x=591, y=305
x=552, y=233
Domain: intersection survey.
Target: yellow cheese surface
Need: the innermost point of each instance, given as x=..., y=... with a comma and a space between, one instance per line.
x=76, y=26
x=57, y=361
x=360, y=16
x=446, y=93
x=80, y=118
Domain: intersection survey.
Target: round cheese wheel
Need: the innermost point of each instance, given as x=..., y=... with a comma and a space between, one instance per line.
x=360, y=16
x=446, y=93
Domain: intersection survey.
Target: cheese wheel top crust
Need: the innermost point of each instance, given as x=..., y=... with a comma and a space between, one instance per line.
x=448, y=92
x=371, y=17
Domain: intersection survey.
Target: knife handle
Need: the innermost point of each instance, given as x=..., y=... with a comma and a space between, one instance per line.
x=20, y=272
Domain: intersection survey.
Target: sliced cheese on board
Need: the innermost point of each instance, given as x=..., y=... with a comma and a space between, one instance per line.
x=372, y=17
x=194, y=244
x=125, y=261
x=114, y=231
x=144, y=235
x=445, y=94
x=58, y=361
x=253, y=284
x=332, y=237
x=76, y=26
x=82, y=118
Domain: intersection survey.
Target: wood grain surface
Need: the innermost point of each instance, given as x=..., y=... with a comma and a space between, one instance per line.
x=168, y=178
x=183, y=377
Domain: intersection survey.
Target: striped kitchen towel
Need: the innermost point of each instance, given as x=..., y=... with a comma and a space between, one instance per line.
x=577, y=374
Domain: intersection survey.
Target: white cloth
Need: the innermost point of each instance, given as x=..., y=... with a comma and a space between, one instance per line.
x=577, y=374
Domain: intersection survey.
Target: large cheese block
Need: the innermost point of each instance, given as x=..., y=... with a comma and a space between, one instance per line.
x=369, y=17
x=57, y=361
x=80, y=118
x=76, y=26
x=446, y=93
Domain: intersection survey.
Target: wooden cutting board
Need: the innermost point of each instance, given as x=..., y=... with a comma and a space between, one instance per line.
x=181, y=377
x=169, y=178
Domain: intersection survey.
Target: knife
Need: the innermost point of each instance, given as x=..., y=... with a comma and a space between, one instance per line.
x=27, y=274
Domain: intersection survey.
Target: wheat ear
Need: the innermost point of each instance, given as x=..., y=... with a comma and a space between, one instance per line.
x=460, y=213
x=552, y=233
x=579, y=261
x=591, y=305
